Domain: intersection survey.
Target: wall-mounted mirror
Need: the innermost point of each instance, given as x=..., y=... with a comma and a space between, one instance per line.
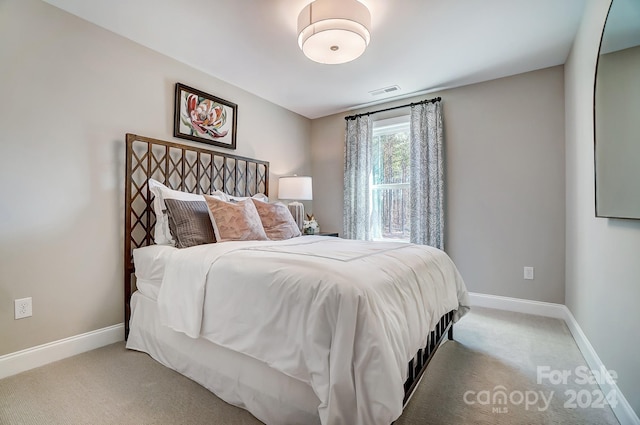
x=617, y=114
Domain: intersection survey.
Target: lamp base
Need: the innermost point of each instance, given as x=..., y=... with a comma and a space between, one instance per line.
x=297, y=211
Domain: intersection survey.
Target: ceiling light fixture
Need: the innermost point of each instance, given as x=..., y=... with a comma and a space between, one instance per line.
x=334, y=31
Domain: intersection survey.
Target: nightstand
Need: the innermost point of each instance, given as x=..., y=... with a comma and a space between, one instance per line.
x=335, y=234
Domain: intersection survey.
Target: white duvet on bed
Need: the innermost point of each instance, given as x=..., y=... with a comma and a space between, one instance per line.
x=343, y=316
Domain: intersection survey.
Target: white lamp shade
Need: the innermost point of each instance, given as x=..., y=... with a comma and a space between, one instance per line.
x=298, y=188
x=334, y=31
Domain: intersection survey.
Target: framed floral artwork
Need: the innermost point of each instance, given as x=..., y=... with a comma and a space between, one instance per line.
x=202, y=117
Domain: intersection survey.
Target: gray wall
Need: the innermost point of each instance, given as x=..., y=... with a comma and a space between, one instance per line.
x=70, y=91
x=505, y=181
x=603, y=271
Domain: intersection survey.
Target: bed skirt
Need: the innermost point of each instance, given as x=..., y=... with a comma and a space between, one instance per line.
x=240, y=380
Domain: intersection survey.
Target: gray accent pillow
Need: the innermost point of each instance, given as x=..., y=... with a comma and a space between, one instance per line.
x=189, y=222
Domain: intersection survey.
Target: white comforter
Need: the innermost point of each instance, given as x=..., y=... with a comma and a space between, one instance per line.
x=343, y=316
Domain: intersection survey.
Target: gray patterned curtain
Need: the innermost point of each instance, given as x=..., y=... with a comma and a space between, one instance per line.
x=427, y=175
x=357, y=179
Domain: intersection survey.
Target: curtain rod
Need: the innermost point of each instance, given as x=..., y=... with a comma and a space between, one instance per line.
x=434, y=100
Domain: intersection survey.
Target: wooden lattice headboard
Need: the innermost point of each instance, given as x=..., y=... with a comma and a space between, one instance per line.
x=180, y=167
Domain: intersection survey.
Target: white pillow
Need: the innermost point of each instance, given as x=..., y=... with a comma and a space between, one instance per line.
x=162, y=235
x=151, y=260
x=150, y=263
x=258, y=196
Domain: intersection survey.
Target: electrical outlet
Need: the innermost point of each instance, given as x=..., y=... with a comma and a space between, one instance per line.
x=528, y=273
x=23, y=308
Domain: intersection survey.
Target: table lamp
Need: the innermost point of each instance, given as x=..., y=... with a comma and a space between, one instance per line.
x=295, y=188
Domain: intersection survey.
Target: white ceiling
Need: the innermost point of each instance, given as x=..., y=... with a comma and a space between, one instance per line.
x=419, y=45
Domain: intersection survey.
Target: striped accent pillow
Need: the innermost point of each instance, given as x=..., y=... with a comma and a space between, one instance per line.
x=189, y=222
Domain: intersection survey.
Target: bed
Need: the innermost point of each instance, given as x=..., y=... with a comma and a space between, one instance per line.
x=305, y=339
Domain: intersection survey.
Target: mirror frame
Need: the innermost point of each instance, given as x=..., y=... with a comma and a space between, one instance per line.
x=595, y=123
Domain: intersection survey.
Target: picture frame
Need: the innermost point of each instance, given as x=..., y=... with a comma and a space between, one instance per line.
x=204, y=118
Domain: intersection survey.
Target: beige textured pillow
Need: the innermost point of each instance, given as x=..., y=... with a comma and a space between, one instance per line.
x=235, y=221
x=277, y=221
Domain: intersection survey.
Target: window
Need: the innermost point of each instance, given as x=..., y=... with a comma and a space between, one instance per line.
x=390, y=179
x=389, y=193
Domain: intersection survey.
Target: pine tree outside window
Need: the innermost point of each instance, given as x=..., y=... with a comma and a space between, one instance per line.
x=390, y=186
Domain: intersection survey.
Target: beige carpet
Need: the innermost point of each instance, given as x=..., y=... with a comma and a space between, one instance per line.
x=492, y=351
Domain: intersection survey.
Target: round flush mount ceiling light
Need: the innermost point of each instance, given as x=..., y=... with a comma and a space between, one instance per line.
x=334, y=31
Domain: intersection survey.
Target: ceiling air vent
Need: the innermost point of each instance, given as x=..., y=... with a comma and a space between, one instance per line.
x=384, y=90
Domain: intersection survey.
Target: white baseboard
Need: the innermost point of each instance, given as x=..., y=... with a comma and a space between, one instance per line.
x=622, y=410
x=20, y=361
x=538, y=308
